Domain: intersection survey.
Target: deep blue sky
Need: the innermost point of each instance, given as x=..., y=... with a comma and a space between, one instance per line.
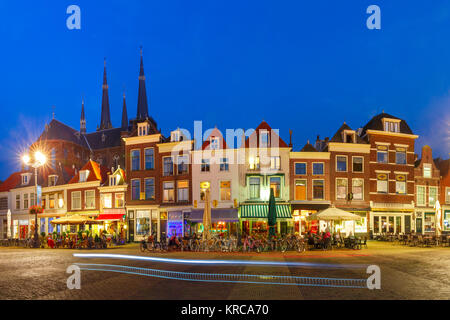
x=304, y=65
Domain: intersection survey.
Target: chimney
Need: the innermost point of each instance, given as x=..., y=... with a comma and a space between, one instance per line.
x=290, y=138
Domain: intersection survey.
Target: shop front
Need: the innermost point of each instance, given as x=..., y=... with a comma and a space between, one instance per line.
x=145, y=223
x=390, y=222
x=446, y=220
x=301, y=210
x=223, y=221
x=114, y=222
x=253, y=218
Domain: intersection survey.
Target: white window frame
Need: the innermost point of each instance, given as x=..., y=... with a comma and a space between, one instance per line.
x=323, y=169
x=164, y=166
x=275, y=163
x=116, y=205
x=429, y=195
x=424, y=203
x=103, y=200
x=164, y=183
x=178, y=191
x=249, y=192
x=85, y=199
x=362, y=158
x=131, y=160
x=312, y=189
x=72, y=202
x=346, y=188
x=447, y=195
x=84, y=174
x=306, y=169
x=145, y=158
x=362, y=192
x=346, y=162
x=220, y=190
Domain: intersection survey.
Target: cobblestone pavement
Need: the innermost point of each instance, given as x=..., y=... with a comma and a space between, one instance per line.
x=406, y=273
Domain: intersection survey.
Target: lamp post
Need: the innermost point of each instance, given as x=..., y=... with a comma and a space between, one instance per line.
x=38, y=161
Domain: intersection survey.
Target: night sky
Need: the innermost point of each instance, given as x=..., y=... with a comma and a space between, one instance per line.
x=301, y=65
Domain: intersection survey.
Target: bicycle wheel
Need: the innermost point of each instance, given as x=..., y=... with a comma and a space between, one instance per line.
x=283, y=247
x=142, y=247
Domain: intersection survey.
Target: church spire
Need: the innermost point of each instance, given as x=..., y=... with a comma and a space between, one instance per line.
x=124, y=114
x=105, y=121
x=82, y=119
x=142, y=108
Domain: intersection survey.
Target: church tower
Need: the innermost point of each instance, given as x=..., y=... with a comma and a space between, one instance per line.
x=105, y=121
x=82, y=119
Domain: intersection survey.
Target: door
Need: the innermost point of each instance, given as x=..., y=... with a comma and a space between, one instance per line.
x=131, y=230
x=407, y=224
x=419, y=225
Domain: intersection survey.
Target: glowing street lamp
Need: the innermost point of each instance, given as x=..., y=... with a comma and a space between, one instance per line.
x=39, y=159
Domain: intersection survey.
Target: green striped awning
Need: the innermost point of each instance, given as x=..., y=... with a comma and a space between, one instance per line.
x=260, y=211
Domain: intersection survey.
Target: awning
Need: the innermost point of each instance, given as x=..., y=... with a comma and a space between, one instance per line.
x=249, y=211
x=110, y=217
x=217, y=214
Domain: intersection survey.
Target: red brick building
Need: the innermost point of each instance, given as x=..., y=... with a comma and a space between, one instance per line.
x=309, y=185
x=391, y=174
x=444, y=167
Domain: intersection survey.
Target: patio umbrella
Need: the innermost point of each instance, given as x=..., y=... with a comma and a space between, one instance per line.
x=272, y=215
x=75, y=219
x=331, y=214
x=207, y=217
x=437, y=207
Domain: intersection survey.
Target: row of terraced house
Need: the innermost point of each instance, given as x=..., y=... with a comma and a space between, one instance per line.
x=135, y=181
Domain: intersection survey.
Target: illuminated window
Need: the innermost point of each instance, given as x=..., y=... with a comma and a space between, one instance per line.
x=300, y=189
x=341, y=189
x=358, y=189
x=400, y=184
x=225, y=190
x=382, y=183
x=51, y=201
x=119, y=200
x=447, y=195
x=275, y=185
x=168, y=191
x=84, y=174
x=253, y=163
x=205, y=185
x=183, y=190
x=52, y=180
x=107, y=200
x=60, y=200
x=275, y=163
x=427, y=170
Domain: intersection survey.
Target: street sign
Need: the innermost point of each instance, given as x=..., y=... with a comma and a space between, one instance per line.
x=9, y=224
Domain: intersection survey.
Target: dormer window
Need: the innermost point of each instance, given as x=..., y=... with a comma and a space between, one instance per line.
x=175, y=136
x=52, y=180
x=391, y=125
x=84, y=175
x=349, y=136
x=264, y=138
x=26, y=178
x=214, y=143
x=142, y=129
x=113, y=180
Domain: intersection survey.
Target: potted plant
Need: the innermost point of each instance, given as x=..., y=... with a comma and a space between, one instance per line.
x=36, y=209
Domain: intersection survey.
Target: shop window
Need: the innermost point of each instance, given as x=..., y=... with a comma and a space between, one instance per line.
x=341, y=163
x=142, y=223
x=429, y=221
x=318, y=168
x=398, y=225
x=358, y=189
x=391, y=225
x=318, y=189
x=183, y=190
x=135, y=189
x=135, y=160
x=168, y=191
x=300, y=168
x=382, y=183
x=357, y=164
x=275, y=185
x=400, y=184
x=225, y=190
x=400, y=156
x=90, y=199
x=119, y=199
x=384, y=224
x=149, y=159
x=205, y=185
x=376, y=224
x=300, y=189
x=341, y=189
x=382, y=154
x=446, y=226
